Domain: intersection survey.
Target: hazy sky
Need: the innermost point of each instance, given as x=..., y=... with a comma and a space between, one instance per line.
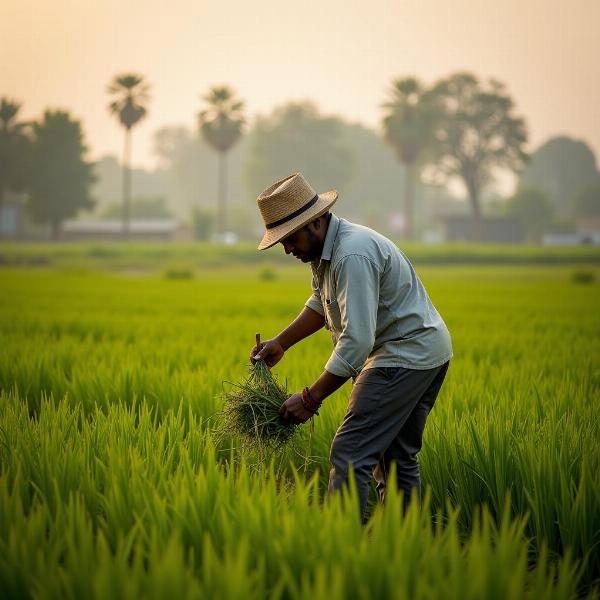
x=343, y=54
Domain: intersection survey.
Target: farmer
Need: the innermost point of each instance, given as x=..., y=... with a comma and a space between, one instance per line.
x=387, y=336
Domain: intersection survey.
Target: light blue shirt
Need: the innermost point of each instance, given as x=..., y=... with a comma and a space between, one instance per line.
x=374, y=305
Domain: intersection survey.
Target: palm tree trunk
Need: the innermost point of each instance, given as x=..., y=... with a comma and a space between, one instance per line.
x=126, y=183
x=222, y=216
x=56, y=230
x=409, y=192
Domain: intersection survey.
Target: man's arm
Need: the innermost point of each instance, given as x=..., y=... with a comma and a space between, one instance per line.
x=293, y=409
x=305, y=324
x=326, y=385
x=358, y=294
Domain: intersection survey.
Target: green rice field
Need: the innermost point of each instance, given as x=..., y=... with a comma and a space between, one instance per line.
x=113, y=364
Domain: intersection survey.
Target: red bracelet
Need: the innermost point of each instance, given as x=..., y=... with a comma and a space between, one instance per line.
x=309, y=403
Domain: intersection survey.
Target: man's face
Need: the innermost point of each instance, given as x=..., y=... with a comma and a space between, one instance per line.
x=304, y=244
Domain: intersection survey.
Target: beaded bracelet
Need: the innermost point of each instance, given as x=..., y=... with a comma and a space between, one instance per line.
x=308, y=402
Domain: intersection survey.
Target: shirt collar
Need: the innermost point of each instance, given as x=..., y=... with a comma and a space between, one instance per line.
x=330, y=237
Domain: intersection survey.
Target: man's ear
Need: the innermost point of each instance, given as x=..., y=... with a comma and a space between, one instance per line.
x=319, y=223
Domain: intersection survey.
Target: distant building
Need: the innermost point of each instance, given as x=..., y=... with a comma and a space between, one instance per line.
x=465, y=228
x=589, y=227
x=11, y=218
x=139, y=229
x=587, y=231
x=571, y=239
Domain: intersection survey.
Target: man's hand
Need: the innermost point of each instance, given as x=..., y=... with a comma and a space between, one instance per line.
x=270, y=351
x=292, y=410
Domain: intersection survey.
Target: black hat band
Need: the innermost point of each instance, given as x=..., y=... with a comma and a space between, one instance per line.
x=294, y=214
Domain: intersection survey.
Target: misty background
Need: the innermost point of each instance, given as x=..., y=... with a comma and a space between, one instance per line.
x=312, y=84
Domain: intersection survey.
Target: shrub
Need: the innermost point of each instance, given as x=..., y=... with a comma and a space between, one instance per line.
x=267, y=273
x=582, y=277
x=178, y=272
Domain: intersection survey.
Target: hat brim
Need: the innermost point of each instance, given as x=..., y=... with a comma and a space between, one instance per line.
x=321, y=206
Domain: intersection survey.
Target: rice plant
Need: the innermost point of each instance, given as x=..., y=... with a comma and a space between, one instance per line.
x=112, y=484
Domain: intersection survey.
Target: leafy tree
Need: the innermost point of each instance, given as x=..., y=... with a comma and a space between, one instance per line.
x=14, y=143
x=188, y=166
x=295, y=137
x=221, y=125
x=202, y=223
x=132, y=94
x=476, y=132
x=147, y=183
x=60, y=178
x=369, y=175
x=587, y=201
x=372, y=173
x=142, y=208
x=561, y=167
x=169, y=142
x=532, y=208
x=408, y=127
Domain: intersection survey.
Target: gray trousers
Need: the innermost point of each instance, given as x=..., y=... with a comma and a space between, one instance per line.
x=384, y=423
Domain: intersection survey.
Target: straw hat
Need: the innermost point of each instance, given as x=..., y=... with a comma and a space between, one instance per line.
x=288, y=205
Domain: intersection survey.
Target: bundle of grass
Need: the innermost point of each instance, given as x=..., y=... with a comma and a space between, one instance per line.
x=251, y=412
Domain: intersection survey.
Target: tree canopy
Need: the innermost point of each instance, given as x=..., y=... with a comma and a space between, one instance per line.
x=221, y=122
x=476, y=132
x=587, y=201
x=189, y=167
x=408, y=126
x=369, y=194
x=151, y=207
x=14, y=145
x=59, y=178
x=532, y=208
x=295, y=137
x=561, y=167
x=408, y=123
x=131, y=95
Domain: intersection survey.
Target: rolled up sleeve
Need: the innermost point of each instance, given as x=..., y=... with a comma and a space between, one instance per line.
x=315, y=303
x=314, y=300
x=357, y=295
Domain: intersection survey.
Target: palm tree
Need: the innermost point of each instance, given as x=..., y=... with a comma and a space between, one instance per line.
x=13, y=144
x=221, y=125
x=408, y=128
x=132, y=95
